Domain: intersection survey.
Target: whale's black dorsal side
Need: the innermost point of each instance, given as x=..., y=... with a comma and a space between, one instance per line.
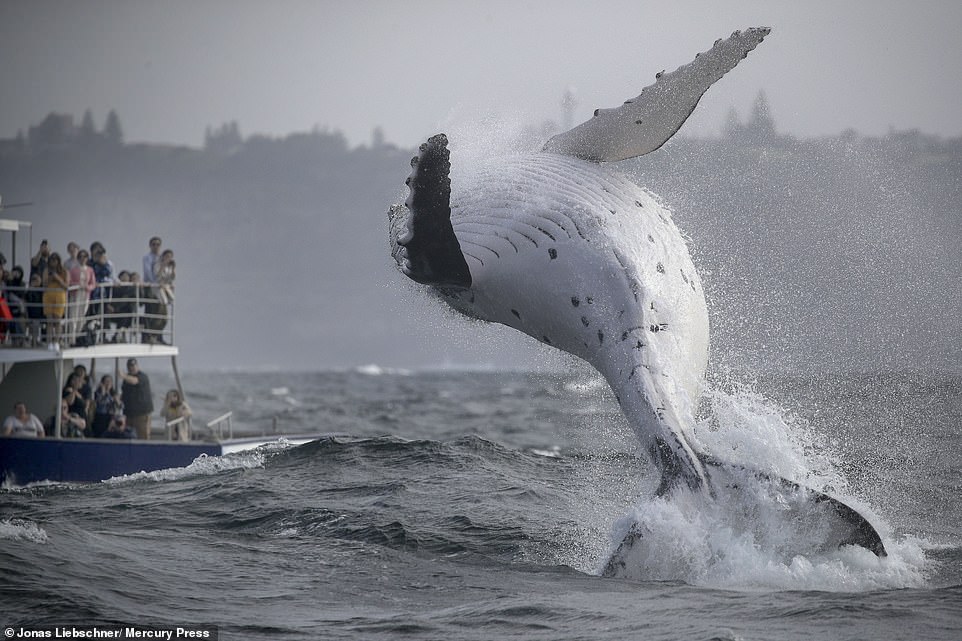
x=422, y=238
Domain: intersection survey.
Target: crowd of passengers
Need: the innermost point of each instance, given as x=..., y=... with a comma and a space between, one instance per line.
x=104, y=412
x=76, y=301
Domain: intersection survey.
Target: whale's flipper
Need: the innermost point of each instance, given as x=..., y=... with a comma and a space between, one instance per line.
x=422, y=239
x=643, y=124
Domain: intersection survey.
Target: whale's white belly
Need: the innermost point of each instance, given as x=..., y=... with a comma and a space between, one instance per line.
x=579, y=257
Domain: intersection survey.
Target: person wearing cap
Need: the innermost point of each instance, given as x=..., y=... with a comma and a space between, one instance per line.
x=137, y=399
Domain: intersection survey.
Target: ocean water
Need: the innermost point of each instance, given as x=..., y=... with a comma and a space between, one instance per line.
x=483, y=505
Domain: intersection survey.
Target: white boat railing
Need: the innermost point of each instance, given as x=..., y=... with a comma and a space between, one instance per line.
x=113, y=313
x=183, y=420
x=217, y=425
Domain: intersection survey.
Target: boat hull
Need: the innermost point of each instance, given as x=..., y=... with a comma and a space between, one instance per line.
x=28, y=460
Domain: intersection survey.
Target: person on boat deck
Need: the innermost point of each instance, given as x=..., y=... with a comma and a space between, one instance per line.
x=106, y=405
x=118, y=428
x=83, y=281
x=13, y=291
x=72, y=259
x=151, y=260
x=55, y=282
x=33, y=299
x=71, y=424
x=175, y=407
x=163, y=293
x=22, y=423
x=73, y=395
x=124, y=295
x=138, y=402
x=104, y=275
x=39, y=261
x=85, y=389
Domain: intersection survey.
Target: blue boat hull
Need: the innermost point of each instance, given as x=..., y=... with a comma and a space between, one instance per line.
x=28, y=460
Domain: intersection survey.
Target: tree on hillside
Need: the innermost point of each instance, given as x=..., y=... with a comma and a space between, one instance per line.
x=224, y=139
x=112, y=130
x=88, y=131
x=733, y=124
x=761, y=124
x=56, y=130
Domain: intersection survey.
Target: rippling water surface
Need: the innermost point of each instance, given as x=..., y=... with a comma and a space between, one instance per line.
x=482, y=505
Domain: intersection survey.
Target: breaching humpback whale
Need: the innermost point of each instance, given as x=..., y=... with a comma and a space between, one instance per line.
x=558, y=245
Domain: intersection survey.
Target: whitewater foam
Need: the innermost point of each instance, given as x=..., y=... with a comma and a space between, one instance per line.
x=757, y=537
x=22, y=530
x=205, y=465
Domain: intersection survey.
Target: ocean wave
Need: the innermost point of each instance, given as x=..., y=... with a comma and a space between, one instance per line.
x=22, y=530
x=377, y=370
x=205, y=465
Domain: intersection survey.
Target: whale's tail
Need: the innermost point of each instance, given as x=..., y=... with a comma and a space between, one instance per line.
x=777, y=512
x=664, y=424
x=841, y=524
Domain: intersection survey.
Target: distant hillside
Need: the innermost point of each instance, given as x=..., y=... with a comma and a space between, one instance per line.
x=830, y=253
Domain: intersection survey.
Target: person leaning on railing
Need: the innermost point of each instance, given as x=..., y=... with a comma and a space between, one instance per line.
x=176, y=408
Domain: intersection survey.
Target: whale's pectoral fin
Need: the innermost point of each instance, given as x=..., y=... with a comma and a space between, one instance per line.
x=826, y=521
x=643, y=124
x=422, y=239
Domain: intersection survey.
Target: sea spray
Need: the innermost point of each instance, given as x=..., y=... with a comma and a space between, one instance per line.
x=209, y=465
x=22, y=530
x=756, y=533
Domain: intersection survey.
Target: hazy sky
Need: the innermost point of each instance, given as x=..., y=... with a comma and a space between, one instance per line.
x=171, y=68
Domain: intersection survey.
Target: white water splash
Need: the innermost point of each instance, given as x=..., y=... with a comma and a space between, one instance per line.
x=22, y=530
x=755, y=538
x=205, y=465
x=377, y=370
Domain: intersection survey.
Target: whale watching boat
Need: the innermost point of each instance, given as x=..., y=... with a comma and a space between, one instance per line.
x=124, y=321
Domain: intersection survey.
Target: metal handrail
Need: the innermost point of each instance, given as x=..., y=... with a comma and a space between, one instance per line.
x=173, y=423
x=115, y=312
x=219, y=424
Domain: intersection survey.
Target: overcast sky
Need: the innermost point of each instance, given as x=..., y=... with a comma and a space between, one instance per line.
x=171, y=68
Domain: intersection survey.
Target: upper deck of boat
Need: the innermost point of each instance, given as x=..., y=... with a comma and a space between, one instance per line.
x=9, y=355
x=125, y=321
